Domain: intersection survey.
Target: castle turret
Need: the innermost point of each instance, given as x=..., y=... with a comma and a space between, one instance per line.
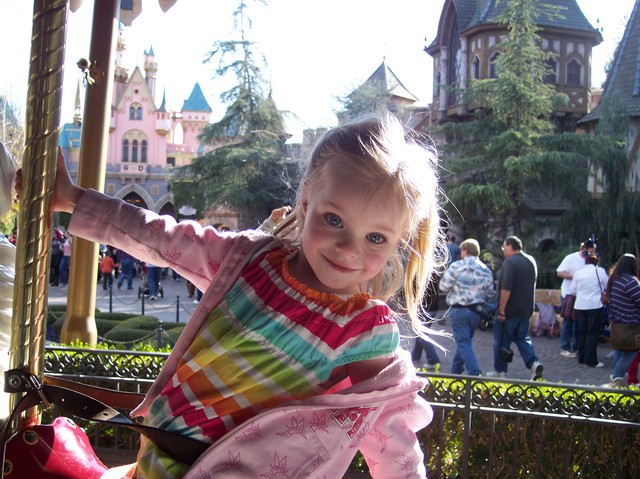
x=121, y=73
x=196, y=113
x=151, y=70
x=77, y=108
x=163, y=118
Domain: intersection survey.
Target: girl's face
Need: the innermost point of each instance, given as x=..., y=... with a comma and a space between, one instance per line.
x=350, y=231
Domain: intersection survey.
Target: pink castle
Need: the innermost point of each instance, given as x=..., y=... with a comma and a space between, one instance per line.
x=145, y=141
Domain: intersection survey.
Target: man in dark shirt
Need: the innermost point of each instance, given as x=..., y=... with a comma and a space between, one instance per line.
x=516, y=290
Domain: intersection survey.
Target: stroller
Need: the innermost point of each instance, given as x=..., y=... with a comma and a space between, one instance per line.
x=546, y=324
x=144, y=289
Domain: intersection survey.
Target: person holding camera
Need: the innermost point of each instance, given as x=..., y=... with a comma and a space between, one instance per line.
x=468, y=283
x=572, y=263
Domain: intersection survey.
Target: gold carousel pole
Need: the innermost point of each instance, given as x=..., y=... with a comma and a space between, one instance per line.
x=80, y=323
x=44, y=99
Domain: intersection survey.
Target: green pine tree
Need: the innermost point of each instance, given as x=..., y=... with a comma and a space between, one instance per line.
x=247, y=168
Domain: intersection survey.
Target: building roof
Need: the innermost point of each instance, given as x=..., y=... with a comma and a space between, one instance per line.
x=196, y=101
x=383, y=76
x=70, y=136
x=624, y=76
x=474, y=13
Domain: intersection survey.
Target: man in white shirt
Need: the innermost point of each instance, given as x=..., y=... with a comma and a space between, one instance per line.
x=568, y=267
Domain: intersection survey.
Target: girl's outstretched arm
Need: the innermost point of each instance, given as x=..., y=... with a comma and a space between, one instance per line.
x=66, y=192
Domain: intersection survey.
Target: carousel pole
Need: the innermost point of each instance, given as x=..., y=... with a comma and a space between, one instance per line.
x=80, y=323
x=44, y=99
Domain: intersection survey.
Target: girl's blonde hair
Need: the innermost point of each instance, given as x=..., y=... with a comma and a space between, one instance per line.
x=377, y=150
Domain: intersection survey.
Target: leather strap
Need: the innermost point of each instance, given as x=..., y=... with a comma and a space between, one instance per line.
x=115, y=399
x=182, y=448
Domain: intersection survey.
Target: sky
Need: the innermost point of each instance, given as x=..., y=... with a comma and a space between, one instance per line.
x=314, y=50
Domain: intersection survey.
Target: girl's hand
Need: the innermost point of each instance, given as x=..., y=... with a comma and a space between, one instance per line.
x=66, y=193
x=279, y=214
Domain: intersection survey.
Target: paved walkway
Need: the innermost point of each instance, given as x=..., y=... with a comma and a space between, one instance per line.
x=177, y=305
x=174, y=305
x=557, y=368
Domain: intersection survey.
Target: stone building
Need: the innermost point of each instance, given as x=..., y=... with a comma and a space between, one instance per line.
x=623, y=80
x=468, y=42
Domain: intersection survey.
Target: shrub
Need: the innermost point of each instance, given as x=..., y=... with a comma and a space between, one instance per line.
x=115, y=316
x=128, y=335
x=147, y=323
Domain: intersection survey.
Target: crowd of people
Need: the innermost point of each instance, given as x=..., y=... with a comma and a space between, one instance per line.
x=594, y=302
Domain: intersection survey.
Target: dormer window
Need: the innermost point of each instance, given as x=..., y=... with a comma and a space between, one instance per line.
x=551, y=71
x=475, y=68
x=135, y=112
x=493, y=71
x=574, y=73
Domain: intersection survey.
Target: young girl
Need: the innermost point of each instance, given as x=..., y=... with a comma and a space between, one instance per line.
x=290, y=362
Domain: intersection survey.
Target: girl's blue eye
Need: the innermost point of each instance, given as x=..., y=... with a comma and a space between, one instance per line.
x=376, y=238
x=333, y=220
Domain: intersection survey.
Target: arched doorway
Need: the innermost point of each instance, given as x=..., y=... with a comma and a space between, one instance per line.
x=135, y=199
x=167, y=209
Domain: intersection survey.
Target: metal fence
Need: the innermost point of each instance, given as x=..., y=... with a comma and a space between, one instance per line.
x=492, y=429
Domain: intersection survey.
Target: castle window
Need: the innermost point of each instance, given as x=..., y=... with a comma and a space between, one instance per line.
x=143, y=151
x=551, y=71
x=135, y=147
x=125, y=150
x=135, y=111
x=475, y=68
x=493, y=72
x=574, y=73
x=171, y=160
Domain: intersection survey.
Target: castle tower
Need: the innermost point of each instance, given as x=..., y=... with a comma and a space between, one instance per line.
x=77, y=108
x=121, y=74
x=151, y=70
x=196, y=113
x=163, y=118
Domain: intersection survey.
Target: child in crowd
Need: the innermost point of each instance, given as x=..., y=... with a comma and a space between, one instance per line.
x=107, y=267
x=291, y=360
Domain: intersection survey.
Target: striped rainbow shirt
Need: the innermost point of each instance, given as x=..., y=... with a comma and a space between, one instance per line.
x=271, y=340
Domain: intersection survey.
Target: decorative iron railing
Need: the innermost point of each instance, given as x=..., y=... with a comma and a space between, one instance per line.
x=553, y=400
x=103, y=364
x=490, y=429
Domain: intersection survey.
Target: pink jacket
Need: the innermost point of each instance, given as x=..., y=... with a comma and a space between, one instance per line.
x=312, y=438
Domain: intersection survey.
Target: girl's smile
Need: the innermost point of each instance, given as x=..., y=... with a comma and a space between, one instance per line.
x=351, y=229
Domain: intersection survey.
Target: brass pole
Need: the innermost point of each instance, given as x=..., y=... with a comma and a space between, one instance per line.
x=44, y=100
x=80, y=323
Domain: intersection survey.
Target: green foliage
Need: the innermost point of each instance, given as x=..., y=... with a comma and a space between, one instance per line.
x=246, y=167
x=507, y=159
x=518, y=97
x=514, y=442
x=188, y=192
x=147, y=323
x=128, y=335
x=370, y=97
x=173, y=333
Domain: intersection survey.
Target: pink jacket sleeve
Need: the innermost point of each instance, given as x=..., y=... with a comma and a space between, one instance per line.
x=192, y=250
